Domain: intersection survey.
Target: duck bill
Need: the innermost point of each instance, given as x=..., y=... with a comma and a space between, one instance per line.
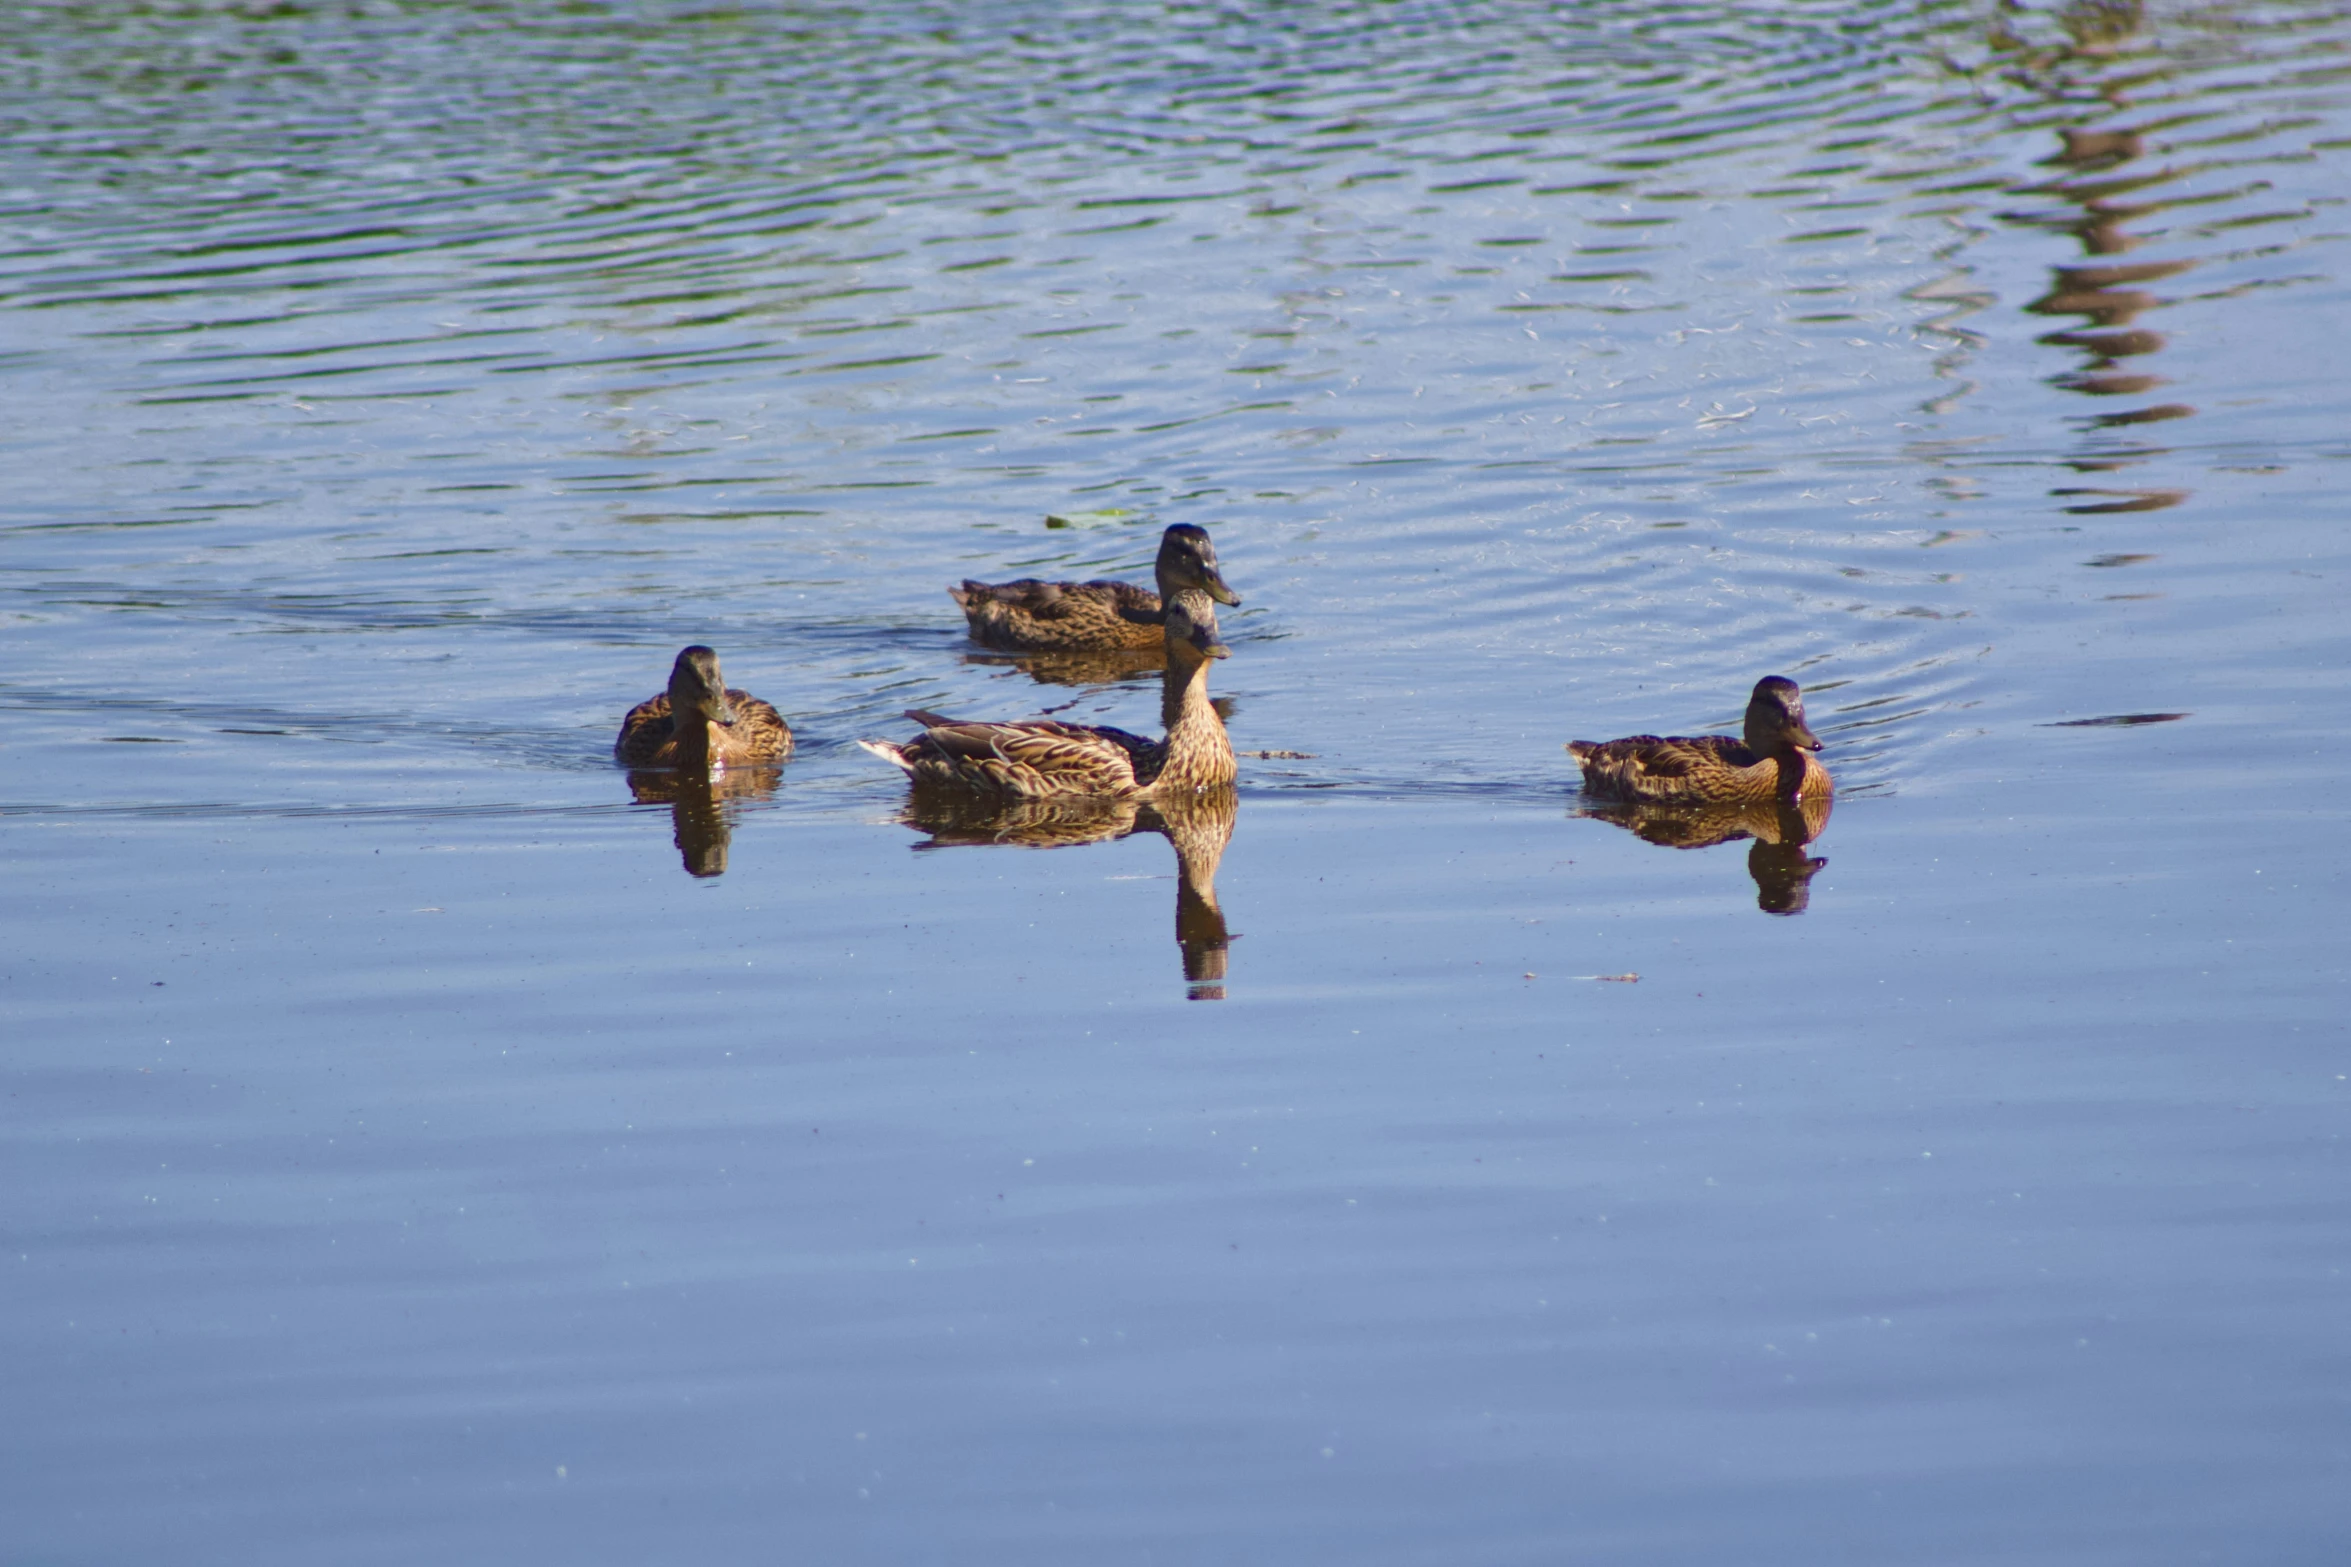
x=722, y=711
x=1209, y=645
x=1212, y=583
x=1800, y=735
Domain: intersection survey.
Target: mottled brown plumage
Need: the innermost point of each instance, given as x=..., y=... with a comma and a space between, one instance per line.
x=1773, y=761
x=720, y=728
x=1042, y=758
x=1075, y=617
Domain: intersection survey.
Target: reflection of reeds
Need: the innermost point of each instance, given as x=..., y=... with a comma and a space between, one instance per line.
x=2153, y=415
x=2118, y=721
x=2097, y=149
x=2124, y=501
x=2099, y=27
x=2092, y=291
x=2107, y=347
x=2106, y=294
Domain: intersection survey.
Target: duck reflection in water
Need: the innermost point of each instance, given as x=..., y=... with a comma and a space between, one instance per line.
x=1046, y=784
x=1200, y=826
x=1081, y=669
x=1692, y=792
x=703, y=806
x=1781, y=830
x=699, y=747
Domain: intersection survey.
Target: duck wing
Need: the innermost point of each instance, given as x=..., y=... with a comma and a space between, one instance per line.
x=1030, y=615
x=1651, y=766
x=1059, y=600
x=1033, y=760
x=759, y=733
x=645, y=732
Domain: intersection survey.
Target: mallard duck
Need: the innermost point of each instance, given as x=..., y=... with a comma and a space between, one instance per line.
x=700, y=724
x=1073, y=617
x=1041, y=758
x=1773, y=762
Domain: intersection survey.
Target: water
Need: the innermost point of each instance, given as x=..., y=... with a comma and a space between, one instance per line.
x=408, y=1157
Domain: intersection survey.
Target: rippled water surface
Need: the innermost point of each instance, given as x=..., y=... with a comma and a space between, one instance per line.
x=425, y=1143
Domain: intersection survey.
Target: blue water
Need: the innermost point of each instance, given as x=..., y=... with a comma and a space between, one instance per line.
x=408, y=1158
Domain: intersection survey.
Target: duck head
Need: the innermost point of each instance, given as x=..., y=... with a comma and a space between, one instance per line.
x=697, y=689
x=1188, y=560
x=1775, y=719
x=1191, y=628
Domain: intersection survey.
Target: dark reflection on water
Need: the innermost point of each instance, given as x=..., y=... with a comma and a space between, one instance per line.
x=1200, y=827
x=2119, y=721
x=2096, y=62
x=1078, y=669
x=703, y=807
x=1781, y=830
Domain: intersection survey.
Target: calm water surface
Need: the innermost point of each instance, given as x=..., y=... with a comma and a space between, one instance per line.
x=420, y=1145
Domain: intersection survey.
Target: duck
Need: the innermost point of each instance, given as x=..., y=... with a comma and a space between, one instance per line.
x=1079, y=617
x=1772, y=761
x=1042, y=758
x=700, y=724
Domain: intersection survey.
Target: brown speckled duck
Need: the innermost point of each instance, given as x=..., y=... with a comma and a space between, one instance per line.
x=1042, y=758
x=699, y=724
x=1773, y=761
x=1072, y=617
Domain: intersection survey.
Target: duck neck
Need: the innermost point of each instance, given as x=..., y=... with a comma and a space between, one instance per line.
x=691, y=730
x=1799, y=775
x=1165, y=580
x=1199, y=754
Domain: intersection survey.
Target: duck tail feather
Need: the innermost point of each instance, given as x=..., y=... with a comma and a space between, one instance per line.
x=889, y=752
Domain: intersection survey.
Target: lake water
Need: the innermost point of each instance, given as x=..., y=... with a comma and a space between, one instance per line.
x=420, y=1147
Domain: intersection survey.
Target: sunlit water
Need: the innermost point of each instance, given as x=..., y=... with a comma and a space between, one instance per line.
x=408, y=1159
